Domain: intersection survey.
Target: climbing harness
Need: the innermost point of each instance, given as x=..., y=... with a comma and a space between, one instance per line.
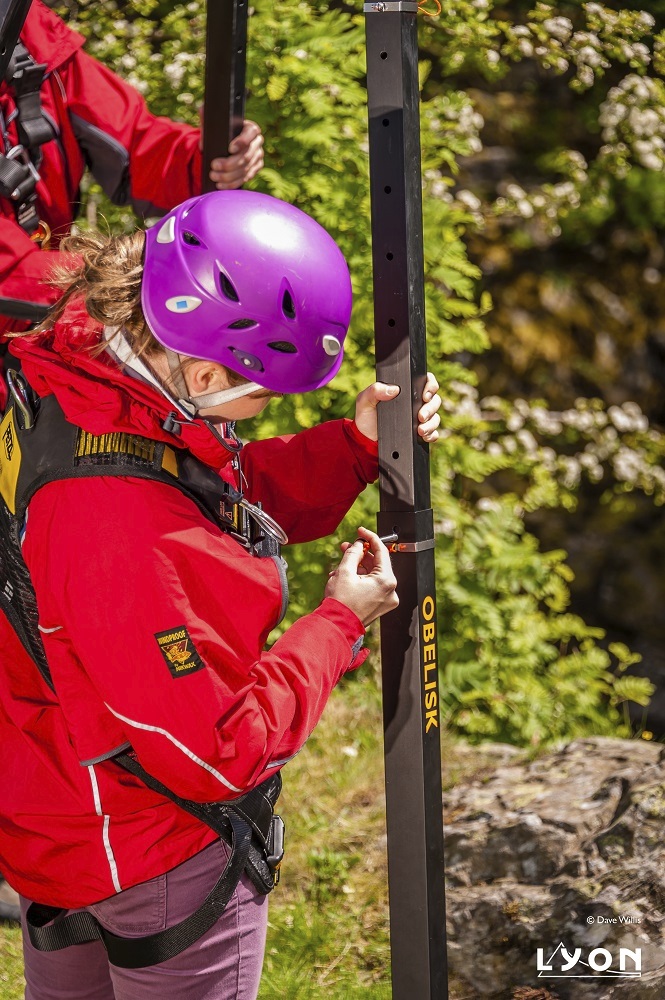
x=39, y=446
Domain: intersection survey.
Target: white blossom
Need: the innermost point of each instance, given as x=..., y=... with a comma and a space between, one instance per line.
x=469, y=199
x=488, y=504
x=559, y=27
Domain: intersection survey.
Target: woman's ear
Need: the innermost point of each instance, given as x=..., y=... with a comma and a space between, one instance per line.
x=205, y=376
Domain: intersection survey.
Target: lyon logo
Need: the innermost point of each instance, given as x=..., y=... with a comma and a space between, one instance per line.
x=596, y=964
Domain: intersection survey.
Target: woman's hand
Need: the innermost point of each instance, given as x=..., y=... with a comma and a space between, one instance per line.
x=379, y=392
x=244, y=161
x=364, y=579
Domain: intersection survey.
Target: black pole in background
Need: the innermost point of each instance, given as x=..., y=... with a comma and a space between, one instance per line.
x=12, y=15
x=408, y=635
x=224, y=102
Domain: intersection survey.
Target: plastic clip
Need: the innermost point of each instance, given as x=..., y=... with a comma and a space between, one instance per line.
x=171, y=425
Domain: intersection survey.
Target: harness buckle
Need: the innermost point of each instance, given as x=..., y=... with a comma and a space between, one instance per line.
x=275, y=846
x=20, y=393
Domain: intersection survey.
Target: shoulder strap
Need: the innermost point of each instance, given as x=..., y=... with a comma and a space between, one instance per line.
x=53, y=449
x=39, y=446
x=19, y=166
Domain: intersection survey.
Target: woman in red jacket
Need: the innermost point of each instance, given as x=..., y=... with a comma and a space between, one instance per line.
x=154, y=609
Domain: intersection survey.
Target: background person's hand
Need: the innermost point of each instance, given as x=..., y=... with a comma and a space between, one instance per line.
x=379, y=392
x=364, y=580
x=244, y=161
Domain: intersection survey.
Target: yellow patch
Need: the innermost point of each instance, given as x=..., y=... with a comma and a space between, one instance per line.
x=10, y=460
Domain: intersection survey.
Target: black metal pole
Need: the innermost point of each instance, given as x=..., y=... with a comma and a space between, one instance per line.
x=224, y=102
x=12, y=15
x=408, y=635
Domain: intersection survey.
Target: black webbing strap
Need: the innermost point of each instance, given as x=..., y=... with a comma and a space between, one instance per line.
x=255, y=808
x=32, y=312
x=26, y=77
x=19, y=166
x=50, y=929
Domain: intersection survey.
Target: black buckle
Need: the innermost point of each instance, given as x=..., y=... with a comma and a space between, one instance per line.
x=18, y=177
x=275, y=846
x=172, y=425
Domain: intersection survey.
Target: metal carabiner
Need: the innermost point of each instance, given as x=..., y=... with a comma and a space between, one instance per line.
x=264, y=521
x=18, y=389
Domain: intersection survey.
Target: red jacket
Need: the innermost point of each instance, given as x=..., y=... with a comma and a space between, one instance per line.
x=117, y=564
x=102, y=121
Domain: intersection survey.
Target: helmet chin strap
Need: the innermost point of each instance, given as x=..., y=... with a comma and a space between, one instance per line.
x=188, y=406
x=208, y=398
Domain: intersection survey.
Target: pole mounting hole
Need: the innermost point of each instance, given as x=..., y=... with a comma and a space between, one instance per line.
x=387, y=189
x=384, y=55
x=389, y=256
x=385, y=122
x=391, y=322
x=395, y=454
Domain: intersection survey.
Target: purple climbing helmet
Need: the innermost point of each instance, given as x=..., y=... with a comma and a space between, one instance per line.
x=250, y=282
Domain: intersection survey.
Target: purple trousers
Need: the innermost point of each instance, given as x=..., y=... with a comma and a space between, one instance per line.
x=224, y=964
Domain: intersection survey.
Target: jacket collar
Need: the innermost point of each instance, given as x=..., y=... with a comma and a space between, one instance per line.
x=47, y=38
x=96, y=395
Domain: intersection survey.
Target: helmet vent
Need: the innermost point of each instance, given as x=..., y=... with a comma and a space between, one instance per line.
x=242, y=324
x=284, y=346
x=288, y=305
x=227, y=288
x=190, y=239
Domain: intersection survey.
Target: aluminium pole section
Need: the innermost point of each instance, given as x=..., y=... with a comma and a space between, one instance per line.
x=224, y=101
x=12, y=16
x=408, y=635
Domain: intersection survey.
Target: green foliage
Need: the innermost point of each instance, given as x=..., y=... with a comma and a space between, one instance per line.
x=518, y=666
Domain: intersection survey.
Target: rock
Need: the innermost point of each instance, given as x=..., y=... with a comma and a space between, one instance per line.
x=564, y=852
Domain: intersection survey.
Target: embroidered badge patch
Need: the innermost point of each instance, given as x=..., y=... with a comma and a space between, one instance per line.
x=179, y=651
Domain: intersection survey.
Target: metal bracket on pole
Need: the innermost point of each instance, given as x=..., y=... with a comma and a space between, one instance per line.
x=381, y=7
x=224, y=103
x=408, y=634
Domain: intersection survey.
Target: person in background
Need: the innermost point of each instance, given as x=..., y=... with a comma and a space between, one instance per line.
x=80, y=114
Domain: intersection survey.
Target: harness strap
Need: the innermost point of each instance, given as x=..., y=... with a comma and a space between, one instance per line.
x=137, y=953
x=19, y=166
x=26, y=77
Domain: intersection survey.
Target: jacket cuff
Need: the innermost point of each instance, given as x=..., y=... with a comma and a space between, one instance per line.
x=345, y=619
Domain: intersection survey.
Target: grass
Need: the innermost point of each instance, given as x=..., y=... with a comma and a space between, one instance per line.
x=328, y=929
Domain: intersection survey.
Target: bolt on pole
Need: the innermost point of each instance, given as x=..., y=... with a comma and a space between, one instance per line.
x=412, y=744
